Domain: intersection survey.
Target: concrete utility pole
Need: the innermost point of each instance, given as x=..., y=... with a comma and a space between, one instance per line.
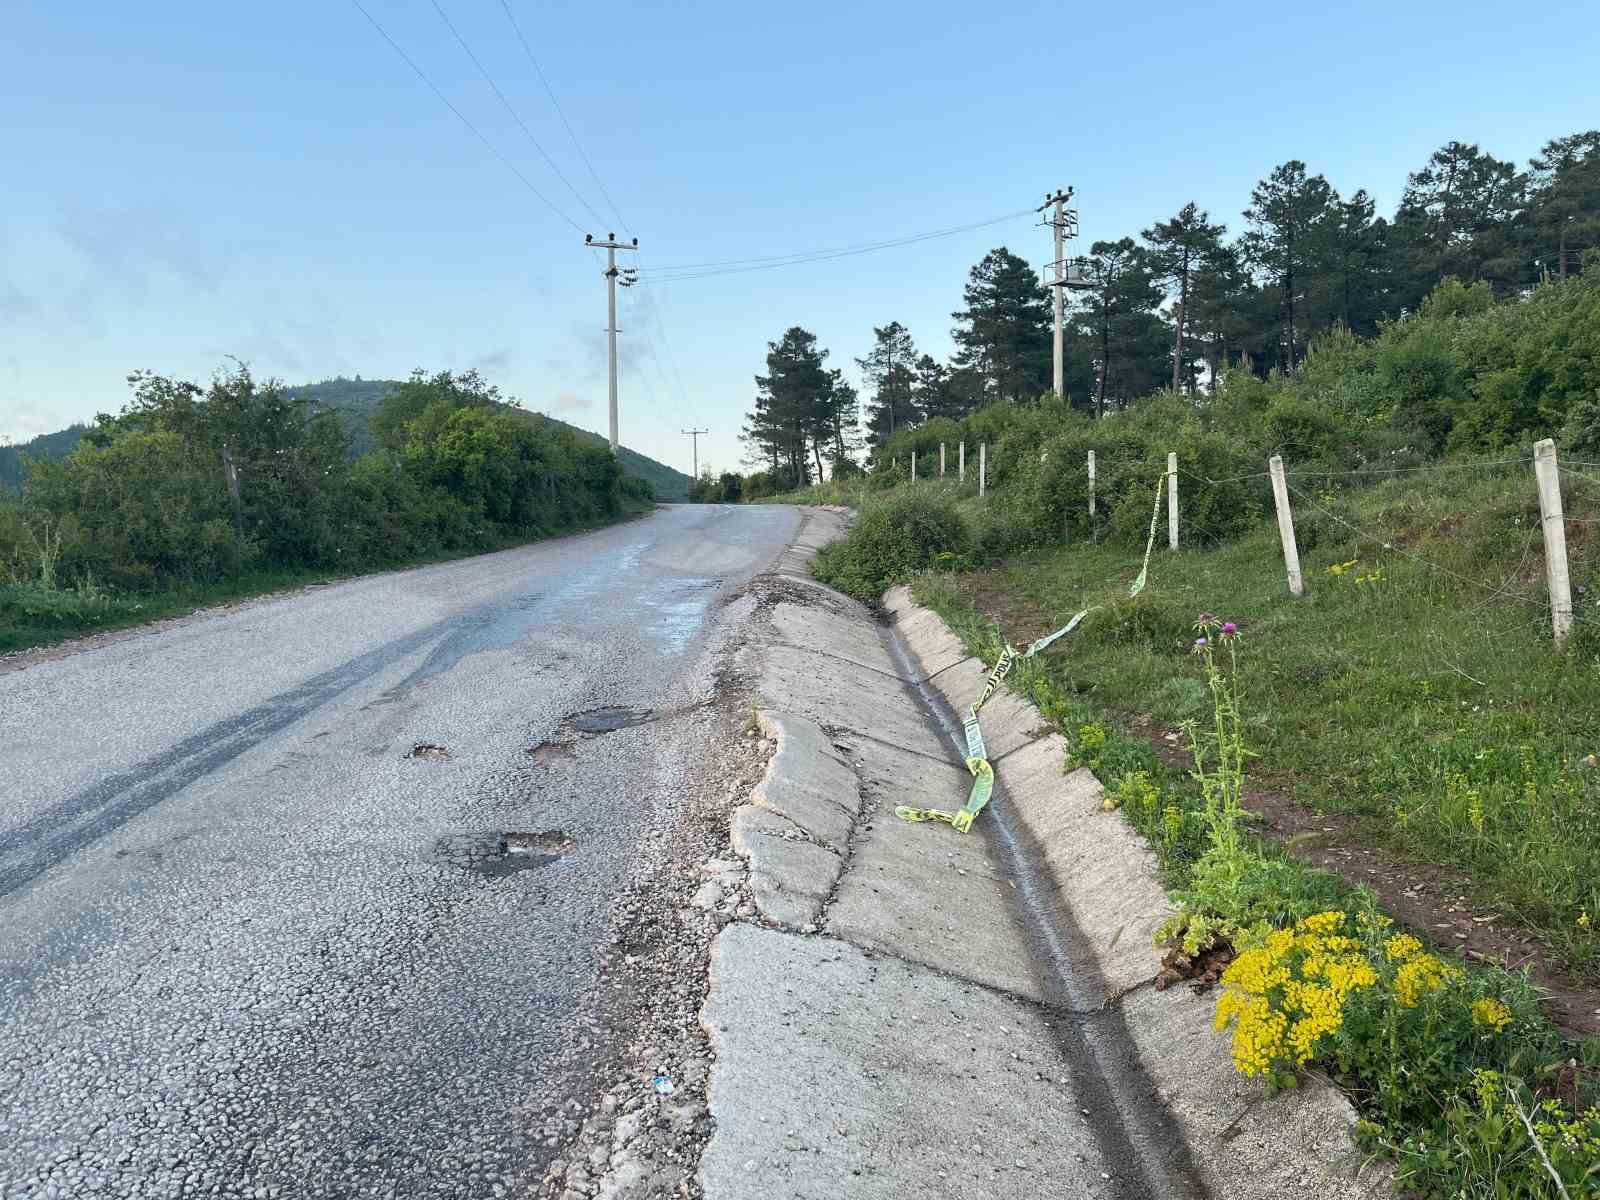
x=1065, y=223
x=695, y=434
x=611, y=246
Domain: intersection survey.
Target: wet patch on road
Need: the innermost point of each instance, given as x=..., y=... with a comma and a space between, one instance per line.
x=495, y=854
x=608, y=720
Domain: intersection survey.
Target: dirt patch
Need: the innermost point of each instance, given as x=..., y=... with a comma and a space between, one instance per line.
x=429, y=752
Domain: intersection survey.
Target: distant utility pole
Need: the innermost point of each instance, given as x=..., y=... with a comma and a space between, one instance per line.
x=695, y=434
x=630, y=276
x=1064, y=221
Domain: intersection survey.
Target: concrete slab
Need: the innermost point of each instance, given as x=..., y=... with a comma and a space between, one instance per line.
x=843, y=636
x=807, y=781
x=1103, y=869
x=1008, y=721
x=790, y=877
x=930, y=895
x=837, y=1074
x=820, y=689
x=933, y=647
x=1294, y=1145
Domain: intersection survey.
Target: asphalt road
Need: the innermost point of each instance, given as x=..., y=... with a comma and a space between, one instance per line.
x=252, y=943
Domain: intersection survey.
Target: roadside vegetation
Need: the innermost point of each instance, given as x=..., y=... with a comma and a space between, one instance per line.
x=1412, y=700
x=194, y=494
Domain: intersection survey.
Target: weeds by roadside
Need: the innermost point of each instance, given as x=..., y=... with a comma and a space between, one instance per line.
x=1457, y=1074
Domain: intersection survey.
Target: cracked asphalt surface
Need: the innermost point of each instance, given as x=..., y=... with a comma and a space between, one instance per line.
x=252, y=945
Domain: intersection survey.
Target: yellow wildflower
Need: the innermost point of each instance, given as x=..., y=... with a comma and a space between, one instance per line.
x=1420, y=976
x=1489, y=1013
x=1583, y=918
x=1401, y=947
x=1322, y=922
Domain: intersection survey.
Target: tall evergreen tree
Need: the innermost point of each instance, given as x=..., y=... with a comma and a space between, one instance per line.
x=1454, y=216
x=935, y=390
x=1288, y=209
x=1005, y=329
x=1130, y=340
x=1177, y=248
x=1353, y=284
x=793, y=415
x=1226, y=310
x=1564, y=201
x=889, y=369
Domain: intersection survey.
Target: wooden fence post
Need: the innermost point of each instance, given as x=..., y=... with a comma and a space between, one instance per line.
x=1091, y=487
x=1291, y=551
x=1172, y=501
x=941, y=460
x=1553, y=523
x=983, y=468
x=961, y=462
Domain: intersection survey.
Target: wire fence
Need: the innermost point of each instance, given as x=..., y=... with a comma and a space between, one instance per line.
x=1516, y=586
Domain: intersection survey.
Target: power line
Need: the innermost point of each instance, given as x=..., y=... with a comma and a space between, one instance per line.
x=560, y=112
x=476, y=132
x=516, y=116
x=740, y=266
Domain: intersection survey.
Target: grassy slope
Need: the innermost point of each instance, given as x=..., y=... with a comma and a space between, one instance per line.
x=1415, y=694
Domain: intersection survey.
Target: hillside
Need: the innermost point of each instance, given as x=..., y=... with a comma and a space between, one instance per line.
x=359, y=398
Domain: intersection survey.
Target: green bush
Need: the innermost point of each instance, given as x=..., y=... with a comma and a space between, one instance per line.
x=892, y=541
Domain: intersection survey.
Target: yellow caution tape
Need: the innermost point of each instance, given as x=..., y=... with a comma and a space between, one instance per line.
x=977, y=758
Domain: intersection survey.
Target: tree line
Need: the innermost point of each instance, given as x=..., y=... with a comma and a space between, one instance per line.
x=1186, y=300
x=193, y=485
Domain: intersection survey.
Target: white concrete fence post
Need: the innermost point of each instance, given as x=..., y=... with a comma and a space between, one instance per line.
x=1091, y=487
x=1553, y=523
x=961, y=462
x=1172, y=501
x=1291, y=551
x=913, y=466
x=941, y=460
x=983, y=468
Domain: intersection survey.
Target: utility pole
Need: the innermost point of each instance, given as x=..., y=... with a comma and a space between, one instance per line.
x=630, y=276
x=695, y=434
x=1064, y=221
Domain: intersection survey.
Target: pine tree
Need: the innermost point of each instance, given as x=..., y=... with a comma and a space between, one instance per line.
x=889, y=370
x=1287, y=212
x=1564, y=201
x=1177, y=248
x=1129, y=340
x=1005, y=329
x=793, y=416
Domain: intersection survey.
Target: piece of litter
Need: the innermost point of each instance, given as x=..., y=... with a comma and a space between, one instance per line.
x=662, y=1085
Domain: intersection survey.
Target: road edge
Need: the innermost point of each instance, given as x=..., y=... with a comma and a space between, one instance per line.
x=1105, y=876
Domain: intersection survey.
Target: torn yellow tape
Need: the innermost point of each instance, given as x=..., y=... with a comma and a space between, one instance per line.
x=977, y=757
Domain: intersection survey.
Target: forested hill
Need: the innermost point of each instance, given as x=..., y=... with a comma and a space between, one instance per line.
x=359, y=398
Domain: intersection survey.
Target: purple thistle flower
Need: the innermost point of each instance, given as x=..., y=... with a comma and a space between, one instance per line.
x=1229, y=627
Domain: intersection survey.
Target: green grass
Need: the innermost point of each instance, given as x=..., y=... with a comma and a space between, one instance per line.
x=32, y=616
x=1419, y=1081
x=1415, y=694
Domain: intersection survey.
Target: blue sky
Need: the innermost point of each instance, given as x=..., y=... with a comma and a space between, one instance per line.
x=188, y=181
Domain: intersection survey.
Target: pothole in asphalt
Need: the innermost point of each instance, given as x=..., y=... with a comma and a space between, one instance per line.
x=546, y=753
x=494, y=854
x=429, y=752
x=609, y=719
